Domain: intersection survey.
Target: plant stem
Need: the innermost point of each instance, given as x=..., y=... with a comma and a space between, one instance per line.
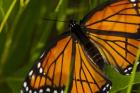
x=133, y=73
x=7, y=15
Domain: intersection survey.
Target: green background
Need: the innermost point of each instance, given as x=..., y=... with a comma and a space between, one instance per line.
x=28, y=28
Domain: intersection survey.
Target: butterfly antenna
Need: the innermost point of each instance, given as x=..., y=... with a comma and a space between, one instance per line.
x=55, y=20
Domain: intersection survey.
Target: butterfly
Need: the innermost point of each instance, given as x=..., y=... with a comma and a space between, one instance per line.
x=74, y=63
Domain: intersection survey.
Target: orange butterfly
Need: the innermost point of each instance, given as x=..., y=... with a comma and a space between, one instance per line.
x=73, y=64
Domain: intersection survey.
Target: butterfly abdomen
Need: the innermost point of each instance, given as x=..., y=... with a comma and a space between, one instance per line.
x=94, y=54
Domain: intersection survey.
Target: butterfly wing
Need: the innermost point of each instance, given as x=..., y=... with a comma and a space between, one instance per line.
x=59, y=69
x=115, y=29
x=51, y=73
x=88, y=78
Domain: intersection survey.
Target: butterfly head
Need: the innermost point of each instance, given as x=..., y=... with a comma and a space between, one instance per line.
x=72, y=23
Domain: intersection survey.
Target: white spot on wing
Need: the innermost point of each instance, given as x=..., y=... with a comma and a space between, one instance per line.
x=134, y=4
x=44, y=73
x=41, y=91
x=30, y=73
x=42, y=55
x=48, y=89
x=130, y=68
x=107, y=85
x=40, y=70
x=55, y=91
x=21, y=91
x=38, y=65
x=127, y=74
x=27, y=89
x=104, y=88
x=25, y=84
x=62, y=91
x=30, y=91
x=133, y=0
x=125, y=70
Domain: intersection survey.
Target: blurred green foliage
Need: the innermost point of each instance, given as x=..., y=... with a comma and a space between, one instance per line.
x=26, y=33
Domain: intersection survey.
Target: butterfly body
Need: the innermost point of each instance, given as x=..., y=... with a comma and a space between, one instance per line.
x=90, y=48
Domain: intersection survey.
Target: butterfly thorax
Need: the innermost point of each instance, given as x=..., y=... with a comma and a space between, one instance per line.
x=89, y=47
x=77, y=31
